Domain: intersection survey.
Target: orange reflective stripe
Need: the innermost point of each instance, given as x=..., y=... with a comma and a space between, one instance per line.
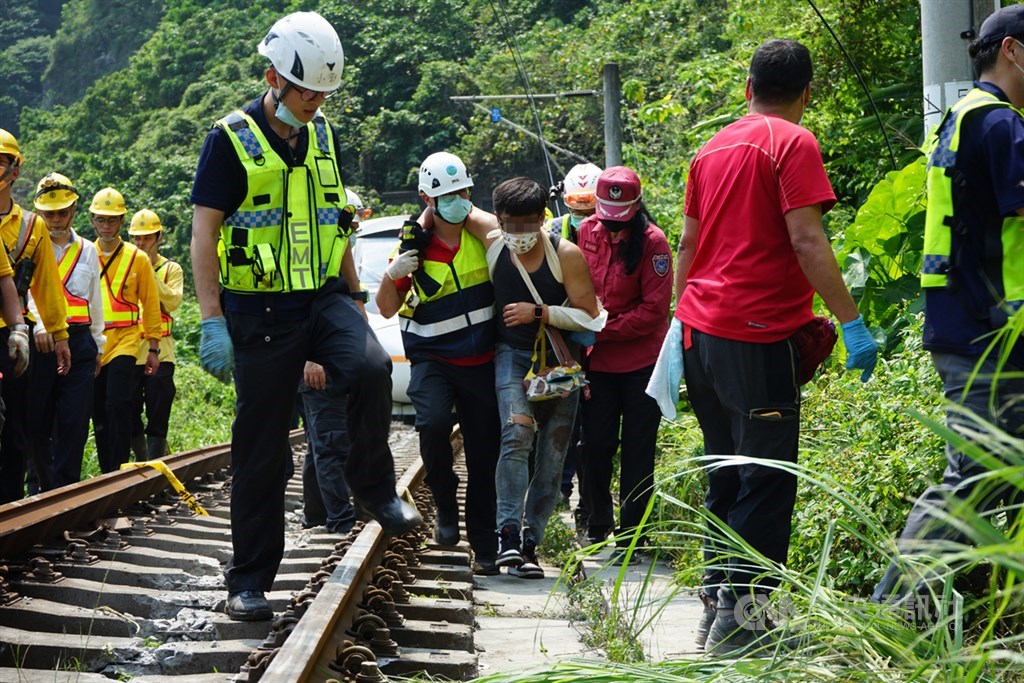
x=116, y=311
x=78, y=308
x=166, y=321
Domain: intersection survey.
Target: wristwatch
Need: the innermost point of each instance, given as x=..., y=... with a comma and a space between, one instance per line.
x=361, y=295
x=538, y=312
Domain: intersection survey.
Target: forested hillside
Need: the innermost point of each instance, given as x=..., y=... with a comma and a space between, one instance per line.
x=122, y=92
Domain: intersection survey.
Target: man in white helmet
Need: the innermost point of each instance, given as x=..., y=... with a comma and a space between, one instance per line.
x=438, y=284
x=579, y=194
x=277, y=286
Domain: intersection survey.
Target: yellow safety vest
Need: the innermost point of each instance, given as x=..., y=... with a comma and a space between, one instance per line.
x=941, y=219
x=116, y=311
x=263, y=247
x=166, y=321
x=456, y=321
x=78, y=308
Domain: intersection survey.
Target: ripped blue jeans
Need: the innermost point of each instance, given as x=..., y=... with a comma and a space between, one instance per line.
x=524, y=501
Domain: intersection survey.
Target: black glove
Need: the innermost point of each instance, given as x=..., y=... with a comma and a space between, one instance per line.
x=414, y=236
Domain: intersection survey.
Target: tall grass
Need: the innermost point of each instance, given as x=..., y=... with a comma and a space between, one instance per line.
x=857, y=475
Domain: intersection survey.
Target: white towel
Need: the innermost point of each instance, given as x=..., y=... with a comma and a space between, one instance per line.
x=668, y=371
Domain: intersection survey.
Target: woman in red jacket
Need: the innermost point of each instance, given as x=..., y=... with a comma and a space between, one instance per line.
x=631, y=266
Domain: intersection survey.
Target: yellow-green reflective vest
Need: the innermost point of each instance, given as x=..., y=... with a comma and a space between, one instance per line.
x=457, y=321
x=285, y=235
x=940, y=219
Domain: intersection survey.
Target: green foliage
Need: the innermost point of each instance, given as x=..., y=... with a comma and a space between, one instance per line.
x=88, y=28
x=881, y=251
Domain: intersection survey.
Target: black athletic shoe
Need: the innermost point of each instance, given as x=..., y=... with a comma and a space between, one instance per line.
x=248, y=606
x=530, y=568
x=509, y=553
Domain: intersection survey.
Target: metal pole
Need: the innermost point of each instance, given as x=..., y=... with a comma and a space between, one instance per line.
x=947, y=28
x=612, y=116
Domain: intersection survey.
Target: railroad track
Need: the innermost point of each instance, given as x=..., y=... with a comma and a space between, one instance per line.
x=118, y=578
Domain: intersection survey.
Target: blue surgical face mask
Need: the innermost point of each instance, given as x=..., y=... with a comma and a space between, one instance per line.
x=453, y=208
x=575, y=220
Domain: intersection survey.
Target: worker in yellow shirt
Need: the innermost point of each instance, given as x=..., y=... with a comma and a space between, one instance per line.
x=155, y=392
x=59, y=405
x=29, y=254
x=131, y=312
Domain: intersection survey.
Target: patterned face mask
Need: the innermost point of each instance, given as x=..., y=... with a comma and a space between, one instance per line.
x=520, y=242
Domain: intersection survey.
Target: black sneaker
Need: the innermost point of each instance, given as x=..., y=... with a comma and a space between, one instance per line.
x=248, y=606
x=707, y=617
x=750, y=636
x=530, y=568
x=509, y=554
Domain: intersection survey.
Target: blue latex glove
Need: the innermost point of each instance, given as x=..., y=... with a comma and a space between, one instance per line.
x=861, y=349
x=215, y=351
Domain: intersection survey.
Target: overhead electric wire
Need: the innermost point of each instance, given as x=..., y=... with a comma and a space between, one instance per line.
x=517, y=59
x=863, y=84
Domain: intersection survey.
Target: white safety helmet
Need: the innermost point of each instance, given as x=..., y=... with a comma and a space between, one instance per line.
x=579, y=189
x=306, y=50
x=441, y=173
x=353, y=200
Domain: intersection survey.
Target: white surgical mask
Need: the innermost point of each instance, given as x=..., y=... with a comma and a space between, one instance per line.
x=520, y=242
x=453, y=208
x=285, y=115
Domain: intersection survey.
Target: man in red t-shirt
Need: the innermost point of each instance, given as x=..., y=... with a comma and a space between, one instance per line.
x=752, y=255
x=443, y=296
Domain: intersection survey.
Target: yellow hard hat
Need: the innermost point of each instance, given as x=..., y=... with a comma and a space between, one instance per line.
x=145, y=222
x=55, y=192
x=9, y=145
x=108, y=202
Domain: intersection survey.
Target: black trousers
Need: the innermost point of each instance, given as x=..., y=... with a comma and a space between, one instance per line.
x=153, y=395
x=59, y=410
x=269, y=356
x=112, y=412
x=325, y=495
x=434, y=388
x=993, y=394
x=14, y=439
x=618, y=414
x=747, y=401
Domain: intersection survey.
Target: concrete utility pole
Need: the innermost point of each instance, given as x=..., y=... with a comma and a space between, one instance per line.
x=612, y=116
x=947, y=28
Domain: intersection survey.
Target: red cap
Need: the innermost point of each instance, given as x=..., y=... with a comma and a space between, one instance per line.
x=618, y=194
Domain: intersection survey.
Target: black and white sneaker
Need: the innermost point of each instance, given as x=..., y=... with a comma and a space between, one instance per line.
x=530, y=568
x=509, y=553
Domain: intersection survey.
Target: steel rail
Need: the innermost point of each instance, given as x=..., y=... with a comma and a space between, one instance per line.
x=45, y=517
x=312, y=645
